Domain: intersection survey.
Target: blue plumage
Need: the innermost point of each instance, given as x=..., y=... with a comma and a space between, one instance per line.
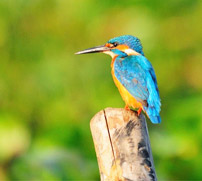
x=132, y=41
x=136, y=74
x=133, y=74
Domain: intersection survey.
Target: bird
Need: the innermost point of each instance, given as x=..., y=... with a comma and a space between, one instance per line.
x=133, y=75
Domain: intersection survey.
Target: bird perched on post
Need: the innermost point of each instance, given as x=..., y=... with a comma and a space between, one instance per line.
x=133, y=74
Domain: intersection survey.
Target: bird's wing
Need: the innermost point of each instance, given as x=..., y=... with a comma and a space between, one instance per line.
x=137, y=75
x=133, y=77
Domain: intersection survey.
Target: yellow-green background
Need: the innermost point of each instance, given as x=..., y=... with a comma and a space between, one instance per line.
x=48, y=95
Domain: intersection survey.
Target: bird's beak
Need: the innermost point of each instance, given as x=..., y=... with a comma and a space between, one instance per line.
x=97, y=49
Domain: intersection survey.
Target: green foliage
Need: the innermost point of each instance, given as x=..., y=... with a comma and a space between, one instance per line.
x=48, y=95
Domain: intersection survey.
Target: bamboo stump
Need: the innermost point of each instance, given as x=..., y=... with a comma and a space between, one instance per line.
x=122, y=146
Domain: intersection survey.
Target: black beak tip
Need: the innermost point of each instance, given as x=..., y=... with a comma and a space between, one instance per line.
x=97, y=49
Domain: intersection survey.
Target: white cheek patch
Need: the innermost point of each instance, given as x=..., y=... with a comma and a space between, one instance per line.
x=131, y=52
x=127, y=51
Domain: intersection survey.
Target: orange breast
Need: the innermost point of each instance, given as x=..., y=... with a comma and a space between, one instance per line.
x=126, y=96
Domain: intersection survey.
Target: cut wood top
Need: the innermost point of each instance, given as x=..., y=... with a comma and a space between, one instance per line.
x=122, y=145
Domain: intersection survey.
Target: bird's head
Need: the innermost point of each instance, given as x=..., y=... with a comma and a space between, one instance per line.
x=119, y=46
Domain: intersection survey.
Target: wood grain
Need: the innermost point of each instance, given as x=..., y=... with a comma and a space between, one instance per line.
x=122, y=146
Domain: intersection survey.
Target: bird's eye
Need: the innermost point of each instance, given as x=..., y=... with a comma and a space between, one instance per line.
x=115, y=44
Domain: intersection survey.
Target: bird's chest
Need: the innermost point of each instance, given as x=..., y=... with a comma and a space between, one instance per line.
x=126, y=96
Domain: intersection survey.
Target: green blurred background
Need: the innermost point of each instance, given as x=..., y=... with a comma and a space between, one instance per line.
x=48, y=95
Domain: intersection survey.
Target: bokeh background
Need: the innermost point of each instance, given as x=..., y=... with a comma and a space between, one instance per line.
x=48, y=95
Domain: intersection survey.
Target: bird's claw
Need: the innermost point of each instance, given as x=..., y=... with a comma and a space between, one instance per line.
x=127, y=108
x=139, y=111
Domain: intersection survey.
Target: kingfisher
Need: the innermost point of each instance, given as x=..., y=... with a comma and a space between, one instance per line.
x=133, y=75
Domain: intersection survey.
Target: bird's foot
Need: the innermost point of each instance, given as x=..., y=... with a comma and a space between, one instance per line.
x=139, y=111
x=127, y=108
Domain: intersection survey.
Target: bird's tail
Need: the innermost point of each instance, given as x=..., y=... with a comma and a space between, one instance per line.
x=155, y=119
x=153, y=115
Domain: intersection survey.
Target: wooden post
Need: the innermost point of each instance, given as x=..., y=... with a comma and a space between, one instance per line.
x=122, y=146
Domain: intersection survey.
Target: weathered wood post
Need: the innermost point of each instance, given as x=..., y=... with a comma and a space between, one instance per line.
x=122, y=146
